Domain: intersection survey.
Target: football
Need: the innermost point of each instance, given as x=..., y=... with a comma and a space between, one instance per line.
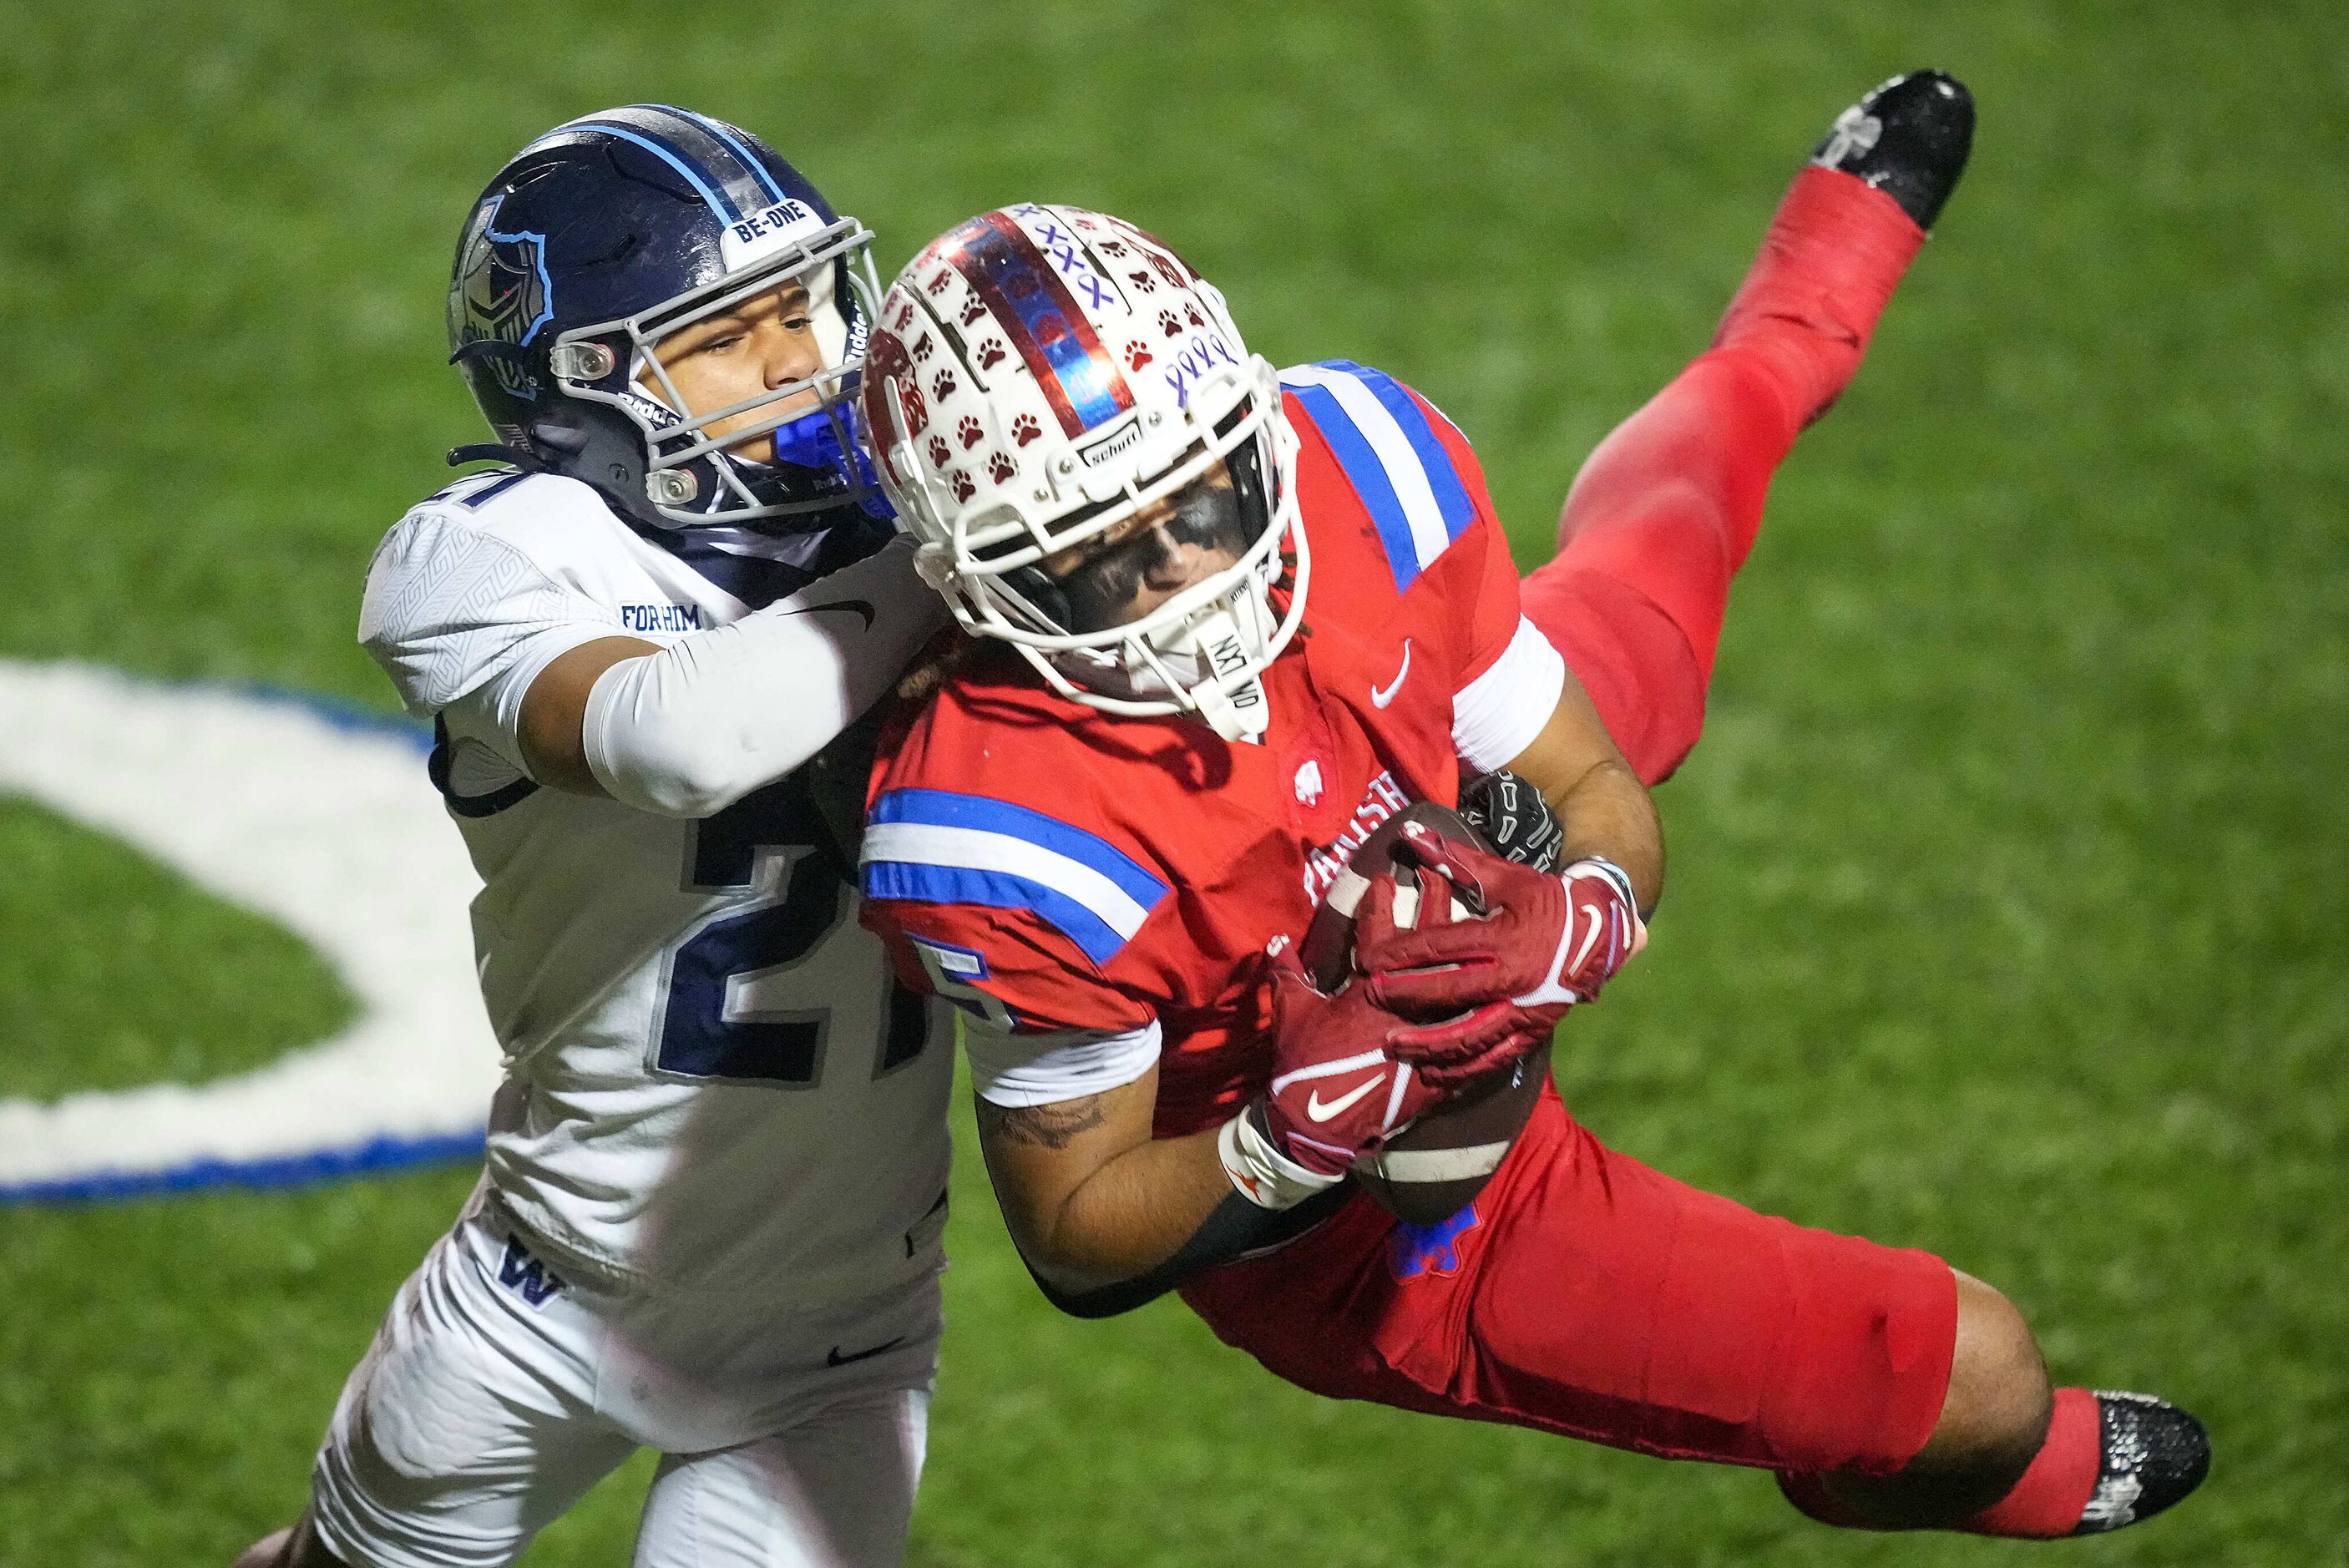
x=1435, y=1167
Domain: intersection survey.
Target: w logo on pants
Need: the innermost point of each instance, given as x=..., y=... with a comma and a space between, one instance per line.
x=525, y=1275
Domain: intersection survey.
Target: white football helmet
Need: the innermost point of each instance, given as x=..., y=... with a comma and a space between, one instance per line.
x=1099, y=470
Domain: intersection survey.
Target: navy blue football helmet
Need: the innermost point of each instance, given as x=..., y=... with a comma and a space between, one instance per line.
x=610, y=232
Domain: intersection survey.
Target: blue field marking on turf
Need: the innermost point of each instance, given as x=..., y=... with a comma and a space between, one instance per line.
x=376, y=1155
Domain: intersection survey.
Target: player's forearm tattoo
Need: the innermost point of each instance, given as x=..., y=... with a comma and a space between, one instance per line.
x=1052, y=1126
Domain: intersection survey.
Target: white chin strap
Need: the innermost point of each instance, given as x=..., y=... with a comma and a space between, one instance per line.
x=1186, y=667
x=1213, y=640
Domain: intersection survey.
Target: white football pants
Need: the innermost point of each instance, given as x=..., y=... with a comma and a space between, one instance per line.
x=498, y=1391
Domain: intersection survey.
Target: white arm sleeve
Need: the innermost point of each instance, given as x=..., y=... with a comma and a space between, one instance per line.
x=1043, y=1069
x=1497, y=715
x=691, y=730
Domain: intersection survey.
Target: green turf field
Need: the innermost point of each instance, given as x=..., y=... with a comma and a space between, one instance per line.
x=2007, y=915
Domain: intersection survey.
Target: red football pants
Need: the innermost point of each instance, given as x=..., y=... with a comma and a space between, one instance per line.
x=1585, y=1293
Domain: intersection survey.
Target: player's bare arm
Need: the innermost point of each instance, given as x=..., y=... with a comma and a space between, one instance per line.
x=1090, y=1197
x=552, y=713
x=1604, y=808
x=1098, y=1205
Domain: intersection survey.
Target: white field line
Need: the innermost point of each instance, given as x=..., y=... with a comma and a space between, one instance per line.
x=330, y=830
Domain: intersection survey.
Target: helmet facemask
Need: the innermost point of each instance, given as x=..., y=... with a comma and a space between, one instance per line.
x=1065, y=589
x=694, y=475
x=1099, y=473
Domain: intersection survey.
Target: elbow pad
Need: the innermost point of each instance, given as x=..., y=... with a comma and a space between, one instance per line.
x=688, y=731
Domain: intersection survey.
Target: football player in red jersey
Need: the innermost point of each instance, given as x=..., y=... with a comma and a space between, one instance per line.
x=1229, y=623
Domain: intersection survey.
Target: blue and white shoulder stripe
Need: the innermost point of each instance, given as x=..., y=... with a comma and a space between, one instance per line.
x=939, y=846
x=1384, y=440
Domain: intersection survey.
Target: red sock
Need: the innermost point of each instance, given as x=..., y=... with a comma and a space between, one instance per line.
x=1665, y=511
x=2055, y=1492
x=2046, y=1503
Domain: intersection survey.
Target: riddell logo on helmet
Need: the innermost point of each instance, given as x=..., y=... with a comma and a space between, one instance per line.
x=1110, y=446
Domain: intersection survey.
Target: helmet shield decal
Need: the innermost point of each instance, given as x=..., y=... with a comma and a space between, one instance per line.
x=504, y=292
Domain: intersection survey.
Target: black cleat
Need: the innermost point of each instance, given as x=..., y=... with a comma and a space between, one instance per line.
x=1908, y=139
x=2154, y=1453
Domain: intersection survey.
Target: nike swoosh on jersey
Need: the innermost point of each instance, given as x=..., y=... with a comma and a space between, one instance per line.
x=854, y=606
x=1314, y=1108
x=837, y=1359
x=1381, y=698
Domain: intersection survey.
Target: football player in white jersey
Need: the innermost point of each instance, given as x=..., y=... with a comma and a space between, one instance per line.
x=716, y=1176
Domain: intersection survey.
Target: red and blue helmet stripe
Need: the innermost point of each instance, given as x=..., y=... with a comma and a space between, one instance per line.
x=1041, y=317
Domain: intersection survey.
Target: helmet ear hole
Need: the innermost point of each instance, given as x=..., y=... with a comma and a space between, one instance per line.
x=1244, y=464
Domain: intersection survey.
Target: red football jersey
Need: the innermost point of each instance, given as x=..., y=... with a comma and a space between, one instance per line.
x=1070, y=874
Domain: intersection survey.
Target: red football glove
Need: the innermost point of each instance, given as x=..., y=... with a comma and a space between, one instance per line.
x=1344, y=1073
x=1532, y=942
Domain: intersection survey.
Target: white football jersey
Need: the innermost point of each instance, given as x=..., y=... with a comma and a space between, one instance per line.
x=712, y=1081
